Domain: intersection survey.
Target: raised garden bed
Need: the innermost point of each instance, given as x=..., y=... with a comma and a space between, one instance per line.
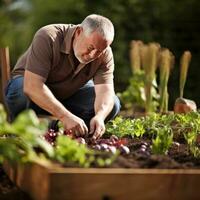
x=163, y=162
x=53, y=182
x=173, y=178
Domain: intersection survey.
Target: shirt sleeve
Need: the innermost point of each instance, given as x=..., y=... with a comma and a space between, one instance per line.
x=104, y=74
x=40, y=54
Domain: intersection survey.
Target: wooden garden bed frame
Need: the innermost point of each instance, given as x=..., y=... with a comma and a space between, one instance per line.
x=46, y=181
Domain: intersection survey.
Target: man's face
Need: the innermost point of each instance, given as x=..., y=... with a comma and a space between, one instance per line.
x=88, y=48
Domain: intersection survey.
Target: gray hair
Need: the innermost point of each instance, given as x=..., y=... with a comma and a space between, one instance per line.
x=100, y=24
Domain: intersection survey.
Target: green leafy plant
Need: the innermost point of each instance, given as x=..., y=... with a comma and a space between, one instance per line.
x=18, y=139
x=163, y=140
x=134, y=95
x=124, y=127
x=21, y=140
x=68, y=150
x=162, y=129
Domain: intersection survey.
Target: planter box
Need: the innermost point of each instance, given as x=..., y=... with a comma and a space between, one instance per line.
x=44, y=181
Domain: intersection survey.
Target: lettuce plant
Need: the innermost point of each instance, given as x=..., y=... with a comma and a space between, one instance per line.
x=19, y=139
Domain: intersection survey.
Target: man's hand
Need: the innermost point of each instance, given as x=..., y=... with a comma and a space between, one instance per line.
x=75, y=124
x=104, y=102
x=45, y=99
x=97, y=127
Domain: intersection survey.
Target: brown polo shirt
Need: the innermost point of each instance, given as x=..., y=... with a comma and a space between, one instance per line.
x=51, y=56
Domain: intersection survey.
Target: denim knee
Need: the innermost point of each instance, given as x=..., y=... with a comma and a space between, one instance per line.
x=15, y=98
x=115, y=110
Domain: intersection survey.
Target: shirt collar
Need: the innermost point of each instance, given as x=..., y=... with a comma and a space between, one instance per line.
x=67, y=43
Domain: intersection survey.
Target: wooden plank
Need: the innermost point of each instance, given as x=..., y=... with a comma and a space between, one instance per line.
x=5, y=73
x=52, y=182
x=5, y=65
x=122, y=186
x=34, y=179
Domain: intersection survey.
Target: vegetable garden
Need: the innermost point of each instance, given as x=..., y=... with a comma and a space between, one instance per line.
x=145, y=136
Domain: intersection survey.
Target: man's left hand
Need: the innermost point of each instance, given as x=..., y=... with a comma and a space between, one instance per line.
x=97, y=127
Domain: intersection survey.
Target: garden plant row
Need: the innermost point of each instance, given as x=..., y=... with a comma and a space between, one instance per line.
x=41, y=160
x=172, y=137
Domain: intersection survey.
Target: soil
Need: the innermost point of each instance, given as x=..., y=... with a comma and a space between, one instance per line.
x=178, y=157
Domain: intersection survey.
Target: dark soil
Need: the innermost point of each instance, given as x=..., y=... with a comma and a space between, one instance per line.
x=178, y=157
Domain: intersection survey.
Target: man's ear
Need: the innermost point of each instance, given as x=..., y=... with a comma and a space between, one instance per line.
x=79, y=30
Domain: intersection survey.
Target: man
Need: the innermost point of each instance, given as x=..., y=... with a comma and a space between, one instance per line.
x=68, y=72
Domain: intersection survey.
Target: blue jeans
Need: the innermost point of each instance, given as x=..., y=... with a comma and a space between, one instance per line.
x=80, y=104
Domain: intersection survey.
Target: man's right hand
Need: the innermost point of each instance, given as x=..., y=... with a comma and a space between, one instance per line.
x=44, y=98
x=74, y=124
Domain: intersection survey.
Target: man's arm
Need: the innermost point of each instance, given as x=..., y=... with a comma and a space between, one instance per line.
x=104, y=102
x=43, y=97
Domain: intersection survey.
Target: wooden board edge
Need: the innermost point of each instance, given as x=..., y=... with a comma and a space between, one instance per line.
x=57, y=168
x=51, y=168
